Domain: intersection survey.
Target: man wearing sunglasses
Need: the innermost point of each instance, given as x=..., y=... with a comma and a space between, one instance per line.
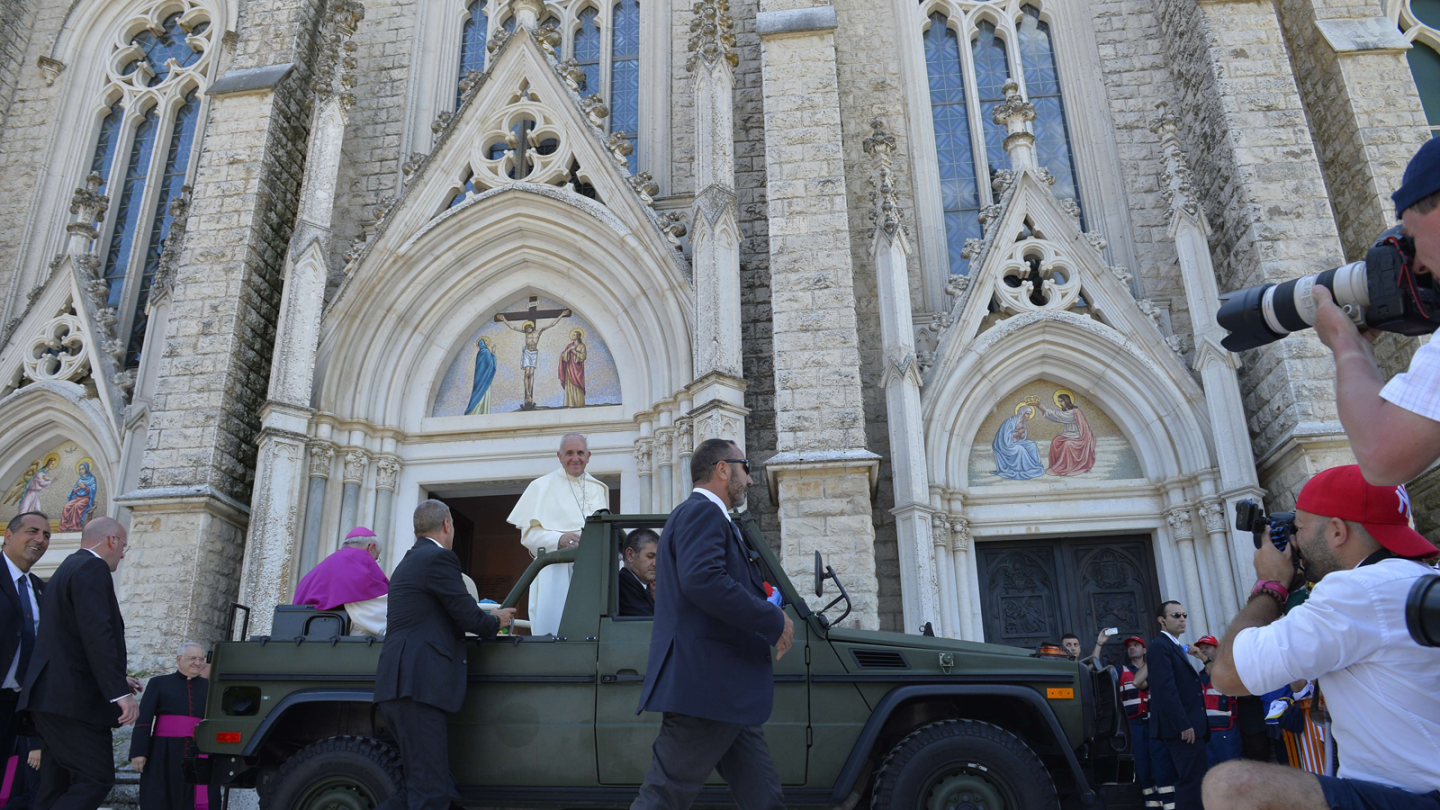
x=1177, y=710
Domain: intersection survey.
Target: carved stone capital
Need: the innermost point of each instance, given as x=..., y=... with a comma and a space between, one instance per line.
x=684, y=438
x=322, y=456
x=940, y=530
x=959, y=534
x=1212, y=512
x=664, y=447
x=644, y=451
x=387, y=472
x=355, y=463
x=1180, y=522
x=51, y=68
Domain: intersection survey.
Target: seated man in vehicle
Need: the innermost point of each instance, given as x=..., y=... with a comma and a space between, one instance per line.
x=637, y=577
x=350, y=578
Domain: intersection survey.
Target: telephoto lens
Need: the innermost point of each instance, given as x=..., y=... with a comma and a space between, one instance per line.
x=1422, y=611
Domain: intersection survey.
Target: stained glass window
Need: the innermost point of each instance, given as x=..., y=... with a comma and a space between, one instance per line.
x=105, y=145
x=1425, y=66
x=625, y=74
x=587, y=50
x=958, y=190
x=128, y=212
x=992, y=68
x=170, y=44
x=472, y=44
x=177, y=161
x=469, y=185
x=1042, y=85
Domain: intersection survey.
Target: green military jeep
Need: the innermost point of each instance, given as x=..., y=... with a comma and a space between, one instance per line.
x=909, y=722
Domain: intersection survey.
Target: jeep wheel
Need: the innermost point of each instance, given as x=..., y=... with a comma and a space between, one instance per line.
x=341, y=773
x=962, y=765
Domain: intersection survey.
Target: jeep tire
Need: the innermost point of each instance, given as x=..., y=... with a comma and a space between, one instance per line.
x=962, y=765
x=339, y=773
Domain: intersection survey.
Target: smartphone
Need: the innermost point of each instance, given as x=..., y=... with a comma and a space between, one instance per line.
x=1111, y=631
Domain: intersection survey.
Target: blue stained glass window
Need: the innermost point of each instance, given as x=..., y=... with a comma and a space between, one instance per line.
x=170, y=44
x=472, y=44
x=625, y=74
x=128, y=213
x=105, y=144
x=992, y=68
x=177, y=160
x=587, y=50
x=958, y=190
x=1042, y=84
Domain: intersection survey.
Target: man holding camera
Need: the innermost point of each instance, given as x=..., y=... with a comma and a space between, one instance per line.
x=1382, y=689
x=1394, y=427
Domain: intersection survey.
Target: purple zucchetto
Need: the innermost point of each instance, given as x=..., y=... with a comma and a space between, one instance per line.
x=359, y=533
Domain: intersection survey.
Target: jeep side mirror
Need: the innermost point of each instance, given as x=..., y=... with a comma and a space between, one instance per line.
x=819, y=575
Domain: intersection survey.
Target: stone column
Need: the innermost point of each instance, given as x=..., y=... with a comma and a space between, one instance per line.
x=286, y=416
x=643, y=451
x=940, y=539
x=718, y=393
x=387, y=474
x=322, y=456
x=1215, y=517
x=1182, y=529
x=684, y=448
x=969, y=626
x=822, y=477
x=1217, y=367
x=921, y=598
x=665, y=465
x=356, y=463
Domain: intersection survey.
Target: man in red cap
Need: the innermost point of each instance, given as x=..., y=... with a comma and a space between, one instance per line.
x=1224, y=742
x=1382, y=689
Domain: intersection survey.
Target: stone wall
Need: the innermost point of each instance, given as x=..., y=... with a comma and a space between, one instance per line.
x=17, y=20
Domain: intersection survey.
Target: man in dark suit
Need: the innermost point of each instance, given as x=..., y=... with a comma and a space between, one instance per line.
x=1177, y=708
x=76, y=689
x=421, y=675
x=26, y=538
x=709, y=669
x=637, y=577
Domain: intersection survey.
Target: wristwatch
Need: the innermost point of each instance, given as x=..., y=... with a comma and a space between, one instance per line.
x=1273, y=589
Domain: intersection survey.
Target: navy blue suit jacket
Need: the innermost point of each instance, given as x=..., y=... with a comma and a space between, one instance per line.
x=1177, y=701
x=710, y=648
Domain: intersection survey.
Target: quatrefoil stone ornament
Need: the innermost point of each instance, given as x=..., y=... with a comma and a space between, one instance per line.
x=58, y=351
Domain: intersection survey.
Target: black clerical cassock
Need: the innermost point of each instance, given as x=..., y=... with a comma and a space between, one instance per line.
x=172, y=704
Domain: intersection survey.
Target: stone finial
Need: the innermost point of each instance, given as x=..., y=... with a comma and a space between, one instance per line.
x=672, y=224
x=645, y=186
x=527, y=13
x=1175, y=178
x=549, y=38
x=571, y=73
x=712, y=35
x=620, y=148
x=334, y=72
x=89, y=205
x=1015, y=114
x=179, y=211
x=412, y=163
x=497, y=41
x=442, y=120
x=595, y=110
x=884, y=198
x=471, y=83
x=357, y=248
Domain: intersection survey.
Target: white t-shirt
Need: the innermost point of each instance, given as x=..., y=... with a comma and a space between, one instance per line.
x=1418, y=389
x=1382, y=688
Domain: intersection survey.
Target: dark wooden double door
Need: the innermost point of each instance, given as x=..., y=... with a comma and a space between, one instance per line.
x=1038, y=590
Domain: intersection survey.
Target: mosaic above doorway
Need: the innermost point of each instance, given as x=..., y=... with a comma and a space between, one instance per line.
x=63, y=482
x=1047, y=430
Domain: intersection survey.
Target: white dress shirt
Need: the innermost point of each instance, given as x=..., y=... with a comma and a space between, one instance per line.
x=11, y=676
x=715, y=499
x=1418, y=389
x=1382, y=688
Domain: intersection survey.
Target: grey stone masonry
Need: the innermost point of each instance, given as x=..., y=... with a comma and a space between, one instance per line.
x=16, y=23
x=1257, y=172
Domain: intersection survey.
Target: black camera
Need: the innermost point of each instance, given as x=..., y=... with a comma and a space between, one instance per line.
x=1422, y=611
x=1250, y=517
x=1382, y=292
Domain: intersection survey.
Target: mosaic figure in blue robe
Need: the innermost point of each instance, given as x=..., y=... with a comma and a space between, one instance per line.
x=484, y=375
x=1016, y=457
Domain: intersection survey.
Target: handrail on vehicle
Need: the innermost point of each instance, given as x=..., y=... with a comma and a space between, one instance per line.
x=567, y=555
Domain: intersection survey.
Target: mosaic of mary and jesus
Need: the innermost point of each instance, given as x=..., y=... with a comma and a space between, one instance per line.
x=1072, y=452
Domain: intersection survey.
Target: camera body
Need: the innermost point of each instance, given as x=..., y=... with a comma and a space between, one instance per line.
x=1382, y=292
x=1250, y=517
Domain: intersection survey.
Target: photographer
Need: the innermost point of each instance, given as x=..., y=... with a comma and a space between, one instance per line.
x=1382, y=689
x=1394, y=428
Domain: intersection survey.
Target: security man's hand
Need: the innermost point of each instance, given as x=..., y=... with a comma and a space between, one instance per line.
x=505, y=615
x=129, y=710
x=787, y=638
x=1188, y=735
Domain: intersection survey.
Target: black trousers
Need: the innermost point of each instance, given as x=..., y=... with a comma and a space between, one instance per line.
x=419, y=728
x=1190, y=767
x=77, y=769
x=689, y=748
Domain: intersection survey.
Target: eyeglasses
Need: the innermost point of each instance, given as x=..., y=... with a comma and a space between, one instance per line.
x=1179, y=615
x=743, y=462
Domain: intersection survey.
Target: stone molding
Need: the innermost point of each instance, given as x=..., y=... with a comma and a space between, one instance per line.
x=250, y=80
x=799, y=461
x=186, y=499
x=796, y=21
x=1351, y=37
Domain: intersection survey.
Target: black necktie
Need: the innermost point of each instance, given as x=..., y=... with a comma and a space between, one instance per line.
x=27, y=627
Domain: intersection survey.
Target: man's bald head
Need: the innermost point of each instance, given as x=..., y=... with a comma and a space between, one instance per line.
x=574, y=454
x=107, y=538
x=574, y=439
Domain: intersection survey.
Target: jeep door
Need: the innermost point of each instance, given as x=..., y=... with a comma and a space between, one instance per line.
x=624, y=738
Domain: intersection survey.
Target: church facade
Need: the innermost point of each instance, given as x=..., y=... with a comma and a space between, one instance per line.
x=947, y=270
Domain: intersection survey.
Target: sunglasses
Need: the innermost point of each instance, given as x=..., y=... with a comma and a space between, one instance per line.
x=1179, y=615
x=743, y=462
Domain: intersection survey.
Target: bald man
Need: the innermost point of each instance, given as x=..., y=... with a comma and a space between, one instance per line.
x=76, y=689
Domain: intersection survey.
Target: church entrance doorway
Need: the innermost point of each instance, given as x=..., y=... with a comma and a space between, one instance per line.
x=1038, y=590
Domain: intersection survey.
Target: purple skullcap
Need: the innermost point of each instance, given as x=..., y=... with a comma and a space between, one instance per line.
x=359, y=532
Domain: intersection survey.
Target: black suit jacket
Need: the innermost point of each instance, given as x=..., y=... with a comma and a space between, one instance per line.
x=635, y=598
x=710, y=648
x=1177, y=701
x=11, y=619
x=428, y=615
x=78, y=666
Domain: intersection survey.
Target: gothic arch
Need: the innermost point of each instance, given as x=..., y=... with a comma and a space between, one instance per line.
x=43, y=414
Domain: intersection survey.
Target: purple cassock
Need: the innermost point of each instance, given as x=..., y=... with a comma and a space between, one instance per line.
x=348, y=575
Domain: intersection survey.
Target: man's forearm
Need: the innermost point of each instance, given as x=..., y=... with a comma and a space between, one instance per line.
x=1372, y=422
x=1258, y=612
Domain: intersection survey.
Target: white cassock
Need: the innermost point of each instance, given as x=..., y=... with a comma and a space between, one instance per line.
x=554, y=504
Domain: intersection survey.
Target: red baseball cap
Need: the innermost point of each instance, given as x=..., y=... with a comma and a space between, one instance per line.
x=1211, y=640
x=1137, y=640
x=1342, y=492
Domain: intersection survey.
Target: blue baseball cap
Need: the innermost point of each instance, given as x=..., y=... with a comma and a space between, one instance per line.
x=1422, y=177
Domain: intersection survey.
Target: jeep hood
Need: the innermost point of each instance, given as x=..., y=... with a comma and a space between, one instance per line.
x=918, y=642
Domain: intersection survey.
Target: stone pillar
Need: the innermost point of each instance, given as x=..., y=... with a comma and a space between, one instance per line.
x=322, y=456
x=356, y=463
x=286, y=416
x=1231, y=432
x=665, y=465
x=718, y=393
x=685, y=449
x=387, y=474
x=940, y=539
x=1257, y=175
x=643, y=451
x=1215, y=517
x=822, y=477
x=1182, y=529
x=969, y=620
x=921, y=596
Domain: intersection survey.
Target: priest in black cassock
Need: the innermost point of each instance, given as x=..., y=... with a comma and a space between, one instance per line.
x=164, y=735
